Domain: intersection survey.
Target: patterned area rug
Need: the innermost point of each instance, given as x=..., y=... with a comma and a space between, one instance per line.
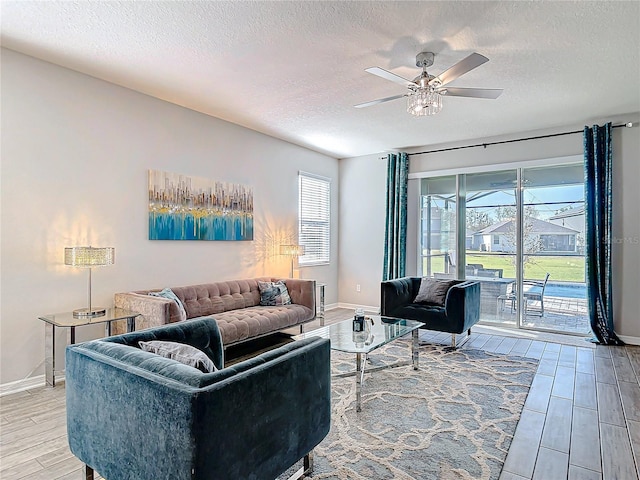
x=454, y=418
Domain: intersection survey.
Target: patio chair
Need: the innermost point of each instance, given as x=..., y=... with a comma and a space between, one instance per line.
x=508, y=296
x=535, y=296
x=511, y=294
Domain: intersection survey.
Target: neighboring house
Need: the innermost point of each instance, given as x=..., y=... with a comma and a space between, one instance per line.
x=574, y=219
x=470, y=239
x=550, y=237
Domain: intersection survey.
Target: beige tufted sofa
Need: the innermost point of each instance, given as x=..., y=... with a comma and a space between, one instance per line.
x=235, y=306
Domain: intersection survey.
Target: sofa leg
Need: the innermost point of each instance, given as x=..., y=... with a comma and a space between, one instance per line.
x=453, y=341
x=307, y=467
x=88, y=472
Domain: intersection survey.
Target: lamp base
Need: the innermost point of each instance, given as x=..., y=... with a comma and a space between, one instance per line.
x=89, y=312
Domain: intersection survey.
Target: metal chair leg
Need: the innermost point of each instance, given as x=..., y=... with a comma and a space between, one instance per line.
x=307, y=467
x=88, y=472
x=454, y=342
x=308, y=462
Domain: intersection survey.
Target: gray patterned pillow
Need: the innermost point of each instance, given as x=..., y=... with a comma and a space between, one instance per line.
x=274, y=293
x=434, y=292
x=180, y=352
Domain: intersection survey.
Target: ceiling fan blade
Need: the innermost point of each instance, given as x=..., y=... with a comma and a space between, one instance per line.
x=463, y=66
x=380, y=100
x=380, y=72
x=470, y=92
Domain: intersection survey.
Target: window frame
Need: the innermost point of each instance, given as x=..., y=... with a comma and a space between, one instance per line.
x=319, y=220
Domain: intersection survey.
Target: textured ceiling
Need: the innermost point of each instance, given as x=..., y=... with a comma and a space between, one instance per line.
x=294, y=70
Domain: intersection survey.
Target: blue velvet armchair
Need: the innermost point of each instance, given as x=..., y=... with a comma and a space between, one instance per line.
x=461, y=309
x=132, y=414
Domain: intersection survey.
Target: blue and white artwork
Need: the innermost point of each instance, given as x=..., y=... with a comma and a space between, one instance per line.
x=182, y=207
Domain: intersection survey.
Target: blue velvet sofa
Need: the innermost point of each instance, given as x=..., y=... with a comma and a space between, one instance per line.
x=132, y=414
x=461, y=309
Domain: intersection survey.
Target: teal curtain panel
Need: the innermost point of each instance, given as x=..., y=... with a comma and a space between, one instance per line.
x=395, y=243
x=598, y=160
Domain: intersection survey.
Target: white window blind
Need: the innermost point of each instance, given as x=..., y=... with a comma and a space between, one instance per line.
x=314, y=218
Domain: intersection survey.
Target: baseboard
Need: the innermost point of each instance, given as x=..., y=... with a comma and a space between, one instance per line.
x=353, y=306
x=630, y=340
x=25, y=384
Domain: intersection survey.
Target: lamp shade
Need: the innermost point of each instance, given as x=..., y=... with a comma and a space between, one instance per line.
x=89, y=257
x=292, y=250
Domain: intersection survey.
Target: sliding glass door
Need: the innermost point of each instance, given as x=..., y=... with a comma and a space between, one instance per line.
x=491, y=239
x=520, y=233
x=438, y=227
x=554, y=287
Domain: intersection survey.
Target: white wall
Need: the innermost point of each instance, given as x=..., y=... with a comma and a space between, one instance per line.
x=75, y=156
x=362, y=219
x=363, y=193
x=363, y=178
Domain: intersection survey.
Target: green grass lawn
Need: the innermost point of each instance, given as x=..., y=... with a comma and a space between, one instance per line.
x=561, y=268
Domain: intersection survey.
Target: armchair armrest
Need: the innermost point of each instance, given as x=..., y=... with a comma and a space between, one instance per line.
x=462, y=305
x=397, y=293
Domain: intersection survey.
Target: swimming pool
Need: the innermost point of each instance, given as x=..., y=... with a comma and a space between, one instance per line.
x=564, y=290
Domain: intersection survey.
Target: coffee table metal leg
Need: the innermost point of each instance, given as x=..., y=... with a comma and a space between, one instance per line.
x=359, y=374
x=414, y=349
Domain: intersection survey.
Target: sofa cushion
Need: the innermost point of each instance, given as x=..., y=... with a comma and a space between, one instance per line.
x=434, y=291
x=433, y=317
x=274, y=293
x=168, y=294
x=180, y=352
x=238, y=325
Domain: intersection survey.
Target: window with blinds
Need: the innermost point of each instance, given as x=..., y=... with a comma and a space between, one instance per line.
x=314, y=219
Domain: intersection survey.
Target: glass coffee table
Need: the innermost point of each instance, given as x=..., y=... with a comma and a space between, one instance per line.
x=383, y=331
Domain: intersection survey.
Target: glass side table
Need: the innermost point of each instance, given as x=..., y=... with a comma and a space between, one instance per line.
x=68, y=321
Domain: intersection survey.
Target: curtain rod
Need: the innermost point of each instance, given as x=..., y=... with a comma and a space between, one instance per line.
x=511, y=141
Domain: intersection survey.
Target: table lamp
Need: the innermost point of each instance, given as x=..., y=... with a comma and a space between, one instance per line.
x=293, y=251
x=89, y=257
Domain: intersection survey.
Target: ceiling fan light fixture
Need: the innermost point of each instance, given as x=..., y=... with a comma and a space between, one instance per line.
x=424, y=102
x=424, y=93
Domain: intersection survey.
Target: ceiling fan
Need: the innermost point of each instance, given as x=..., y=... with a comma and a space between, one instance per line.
x=424, y=93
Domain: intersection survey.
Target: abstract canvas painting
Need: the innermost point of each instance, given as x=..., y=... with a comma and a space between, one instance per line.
x=183, y=207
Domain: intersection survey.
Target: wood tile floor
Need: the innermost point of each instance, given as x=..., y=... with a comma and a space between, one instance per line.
x=581, y=420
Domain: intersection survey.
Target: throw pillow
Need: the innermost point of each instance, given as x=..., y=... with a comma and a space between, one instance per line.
x=434, y=291
x=274, y=293
x=168, y=293
x=182, y=353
